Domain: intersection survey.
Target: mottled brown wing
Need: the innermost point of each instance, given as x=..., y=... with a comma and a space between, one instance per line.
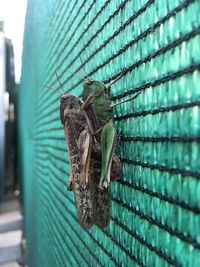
x=83, y=197
x=101, y=197
x=84, y=201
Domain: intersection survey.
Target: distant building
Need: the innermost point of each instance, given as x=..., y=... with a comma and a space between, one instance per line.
x=7, y=114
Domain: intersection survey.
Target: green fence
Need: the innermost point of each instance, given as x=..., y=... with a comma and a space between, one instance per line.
x=156, y=203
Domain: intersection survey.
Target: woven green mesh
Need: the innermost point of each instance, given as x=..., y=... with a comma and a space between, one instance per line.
x=156, y=203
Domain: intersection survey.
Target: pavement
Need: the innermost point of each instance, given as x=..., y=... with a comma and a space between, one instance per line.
x=11, y=223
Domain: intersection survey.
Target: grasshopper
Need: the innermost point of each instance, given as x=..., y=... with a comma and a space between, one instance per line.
x=91, y=140
x=97, y=104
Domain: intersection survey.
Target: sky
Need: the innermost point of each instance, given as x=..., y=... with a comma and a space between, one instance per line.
x=13, y=14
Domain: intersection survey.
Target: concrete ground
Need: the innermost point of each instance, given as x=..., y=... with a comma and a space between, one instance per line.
x=11, y=221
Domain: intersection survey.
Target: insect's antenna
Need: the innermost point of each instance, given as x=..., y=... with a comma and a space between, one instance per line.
x=84, y=67
x=52, y=89
x=74, y=74
x=59, y=81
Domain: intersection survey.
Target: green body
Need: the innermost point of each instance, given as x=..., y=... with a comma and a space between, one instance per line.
x=100, y=113
x=101, y=100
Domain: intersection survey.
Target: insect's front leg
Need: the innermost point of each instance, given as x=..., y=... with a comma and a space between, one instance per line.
x=90, y=98
x=113, y=81
x=126, y=100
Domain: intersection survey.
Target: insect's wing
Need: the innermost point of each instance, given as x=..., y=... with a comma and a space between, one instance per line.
x=102, y=207
x=101, y=197
x=83, y=197
x=82, y=182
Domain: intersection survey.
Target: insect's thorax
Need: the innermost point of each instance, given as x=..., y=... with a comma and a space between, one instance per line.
x=76, y=122
x=99, y=110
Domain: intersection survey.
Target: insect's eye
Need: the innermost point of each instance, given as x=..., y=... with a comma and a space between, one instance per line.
x=89, y=82
x=65, y=97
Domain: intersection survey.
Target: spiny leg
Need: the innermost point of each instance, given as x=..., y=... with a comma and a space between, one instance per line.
x=113, y=81
x=126, y=100
x=107, y=140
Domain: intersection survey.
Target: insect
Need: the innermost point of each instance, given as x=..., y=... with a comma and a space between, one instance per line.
x=79, y=149
x=97, y=103
x=91, y=140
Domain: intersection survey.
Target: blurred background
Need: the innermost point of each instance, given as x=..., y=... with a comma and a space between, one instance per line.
x=12, y=15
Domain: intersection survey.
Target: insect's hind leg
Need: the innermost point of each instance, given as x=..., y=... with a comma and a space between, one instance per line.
x=107, y=140
x=84, y=145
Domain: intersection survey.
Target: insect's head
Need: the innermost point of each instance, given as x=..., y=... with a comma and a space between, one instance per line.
x=92, y=87
x=69, y=105
x=93, y=83
x=64, y=97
